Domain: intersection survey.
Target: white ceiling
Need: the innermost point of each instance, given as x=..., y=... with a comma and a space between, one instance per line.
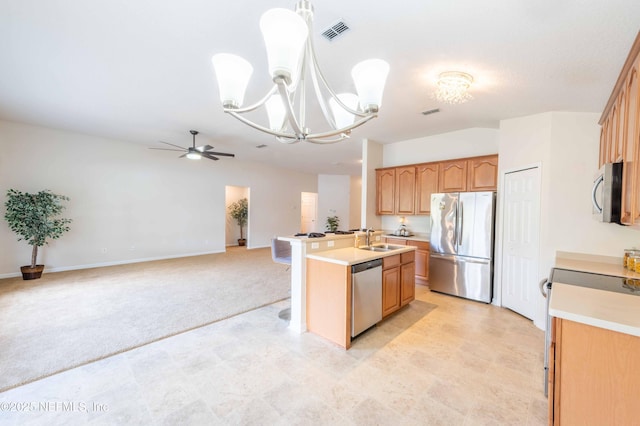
x=140, y=70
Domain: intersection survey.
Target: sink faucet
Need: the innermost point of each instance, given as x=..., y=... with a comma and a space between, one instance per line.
x=368, y=235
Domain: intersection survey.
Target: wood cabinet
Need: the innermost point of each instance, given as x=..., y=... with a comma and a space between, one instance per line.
x=405, y=190
x=453, y=176
x=421, y=257
x=426, y=184
x=593, y=375
x=385, y=191
x=398, y=282
x=482, y=173
x=422, y=260
x=620, y=134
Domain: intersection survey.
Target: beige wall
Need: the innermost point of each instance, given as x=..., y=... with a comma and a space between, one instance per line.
x=129, y=203
x=566, y=146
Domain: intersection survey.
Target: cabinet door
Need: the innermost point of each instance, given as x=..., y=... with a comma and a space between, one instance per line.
x=407, y=283
x=422, y=265
x=385, y=191
x=630, y=208
x=604, y=140
x=395, y=241
x=405, y=190
x=390, y=290
x=483, y=173
x=426, y=184
x=614, y=125
x=453, y=176
x=617, y=145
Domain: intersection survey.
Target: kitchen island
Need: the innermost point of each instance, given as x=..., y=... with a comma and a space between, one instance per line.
x=595, y=347
x=329, y=288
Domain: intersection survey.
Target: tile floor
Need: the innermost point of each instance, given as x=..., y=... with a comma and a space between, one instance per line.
x=440, y=361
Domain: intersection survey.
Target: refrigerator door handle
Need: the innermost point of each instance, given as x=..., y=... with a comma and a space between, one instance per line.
x=455, y=227
x=542, y=286
x=461, y=223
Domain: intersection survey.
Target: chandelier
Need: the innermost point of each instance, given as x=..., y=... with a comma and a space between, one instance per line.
x=292, y=60
x=453, y=87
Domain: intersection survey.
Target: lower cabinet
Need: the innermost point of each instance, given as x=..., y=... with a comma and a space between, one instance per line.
x=421, y=257
x=594, y=377
x=398, y=282
x=422, y=260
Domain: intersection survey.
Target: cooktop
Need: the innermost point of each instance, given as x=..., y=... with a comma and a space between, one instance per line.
x=597, y=281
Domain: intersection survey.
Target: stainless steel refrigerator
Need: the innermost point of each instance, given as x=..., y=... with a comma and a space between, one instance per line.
x=461, y=256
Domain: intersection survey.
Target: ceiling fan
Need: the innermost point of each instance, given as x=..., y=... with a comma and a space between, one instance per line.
x=196, y=152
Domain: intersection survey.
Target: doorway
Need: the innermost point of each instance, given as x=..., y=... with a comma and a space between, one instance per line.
x=233, y=233
x=308, y=212
x=521, y=240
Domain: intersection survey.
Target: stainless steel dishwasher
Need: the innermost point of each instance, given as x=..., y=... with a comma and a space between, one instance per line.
x=366, y=295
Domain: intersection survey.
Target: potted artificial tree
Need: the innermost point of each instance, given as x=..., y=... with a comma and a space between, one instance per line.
x=240, y=212
x=33, y=218
x=332, y=223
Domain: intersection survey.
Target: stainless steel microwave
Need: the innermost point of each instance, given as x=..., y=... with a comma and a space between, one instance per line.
x=606, y=195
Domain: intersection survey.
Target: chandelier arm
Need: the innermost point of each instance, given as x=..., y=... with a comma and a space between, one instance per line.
x=328, y=141
x=316, y=87
x=256, y=105
x=345, y=130
x=288, y=107
x=318, y=73
x=259, y=127
x=288, y=140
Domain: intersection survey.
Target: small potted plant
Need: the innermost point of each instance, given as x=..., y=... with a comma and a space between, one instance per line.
x=33, y=218
x=240, y=212
x=332, y=223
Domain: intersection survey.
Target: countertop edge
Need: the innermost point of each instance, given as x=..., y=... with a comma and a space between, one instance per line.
x=364, y=255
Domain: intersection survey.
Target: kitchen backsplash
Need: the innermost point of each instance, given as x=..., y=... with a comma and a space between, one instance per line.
x=415, y=224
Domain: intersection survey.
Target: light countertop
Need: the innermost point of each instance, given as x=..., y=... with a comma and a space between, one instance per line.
x=414, y=237
x=600, y=308
x=351, y=255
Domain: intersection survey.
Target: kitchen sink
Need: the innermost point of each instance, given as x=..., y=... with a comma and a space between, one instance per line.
x=381, y=247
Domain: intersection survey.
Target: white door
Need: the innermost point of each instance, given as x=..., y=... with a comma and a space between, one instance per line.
x=520, y=240
x=309, y=212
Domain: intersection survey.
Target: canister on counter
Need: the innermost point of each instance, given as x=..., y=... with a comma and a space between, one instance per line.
x=625, y=258
x=632, y=261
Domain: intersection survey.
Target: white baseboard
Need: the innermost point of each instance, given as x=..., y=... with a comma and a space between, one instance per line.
x=114, y=263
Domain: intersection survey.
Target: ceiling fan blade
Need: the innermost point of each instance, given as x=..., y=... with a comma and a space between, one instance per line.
x=183, y=155
x=204, y=148
x=168, y=149
x=209, y=156
x=222, y=154
x=177, y=146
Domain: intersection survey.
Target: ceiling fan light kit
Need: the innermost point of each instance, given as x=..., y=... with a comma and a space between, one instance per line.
x=292, y=59
x=195, y=152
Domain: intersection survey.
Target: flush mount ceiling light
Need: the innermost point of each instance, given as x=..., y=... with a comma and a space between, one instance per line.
x=453, y=87
x=292, y=60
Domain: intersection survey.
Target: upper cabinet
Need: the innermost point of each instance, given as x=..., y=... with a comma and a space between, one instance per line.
x=453, y=176
x=406, y=190
x=482, y=173
x=426, y=184
x=620, y=134
x=385, y=191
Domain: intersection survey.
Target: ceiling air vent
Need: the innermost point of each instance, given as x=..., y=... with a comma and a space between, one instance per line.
x=430, y=111
x=335, y=30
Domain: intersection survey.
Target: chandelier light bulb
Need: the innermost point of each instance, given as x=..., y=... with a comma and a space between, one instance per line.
x=369, y=77
x=285, y=34
x=342, y=117
x=233, y=74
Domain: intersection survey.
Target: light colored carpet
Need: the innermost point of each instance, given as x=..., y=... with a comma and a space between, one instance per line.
x=67, y=319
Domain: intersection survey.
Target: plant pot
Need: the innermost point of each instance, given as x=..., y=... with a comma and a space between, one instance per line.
x=242, y=241
x=29, y=273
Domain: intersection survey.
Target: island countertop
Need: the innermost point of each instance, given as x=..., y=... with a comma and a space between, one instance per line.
x=351, y=255
x=600, y=308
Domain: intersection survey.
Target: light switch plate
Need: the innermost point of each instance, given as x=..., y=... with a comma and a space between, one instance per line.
x=315, y=245
x=331, y=243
